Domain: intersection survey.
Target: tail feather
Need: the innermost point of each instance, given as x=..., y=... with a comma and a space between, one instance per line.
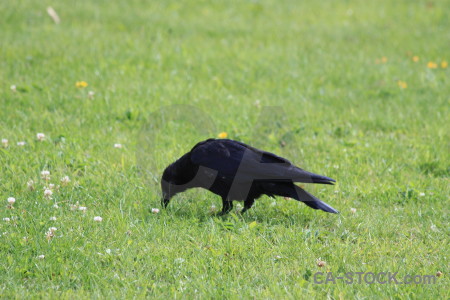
x=312, y=201
x=300, y=175
x=291, y=190
x=322, y=179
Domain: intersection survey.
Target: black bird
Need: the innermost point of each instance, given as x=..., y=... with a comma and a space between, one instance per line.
x=236, y=171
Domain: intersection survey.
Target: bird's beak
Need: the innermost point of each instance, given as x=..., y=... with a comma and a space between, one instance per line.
x=165, y=196
x=164, y=202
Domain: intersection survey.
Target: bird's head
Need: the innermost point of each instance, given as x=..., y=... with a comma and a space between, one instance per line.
x=177, y=178
x=170, y=184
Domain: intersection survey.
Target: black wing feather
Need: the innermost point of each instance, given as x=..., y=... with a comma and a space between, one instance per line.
x=233, y=158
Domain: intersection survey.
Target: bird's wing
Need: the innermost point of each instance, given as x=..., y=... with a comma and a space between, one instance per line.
x=218, y=155
x=235, y=159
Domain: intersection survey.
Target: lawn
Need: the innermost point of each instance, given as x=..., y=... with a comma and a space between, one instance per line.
x=354, y=90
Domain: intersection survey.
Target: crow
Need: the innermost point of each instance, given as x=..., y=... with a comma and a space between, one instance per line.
x=236, y=171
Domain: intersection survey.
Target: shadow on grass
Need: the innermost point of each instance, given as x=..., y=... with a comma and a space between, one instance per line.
x=287, y=215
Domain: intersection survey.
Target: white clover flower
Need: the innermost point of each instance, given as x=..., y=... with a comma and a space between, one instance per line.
x=118, y=146
x=13, y=88
x=82, y=208
x=91, y=94
x=30, y=184
x=49, y=235
x=40, y=136
x=45, y=174
x=421, y=194
x=98, y=219
x=74, y=206
x=179, y=260
x=21, y=143
x=52, y=218
x=51, y=186
x=155, y=210
x=65, y=180
x=48, y=193
x=213, y=208
x=11, y=200
x=6, y=219
x=353, y=210
x=5, y=143
x=42, y=256
x=321, y=263
x=55, y=205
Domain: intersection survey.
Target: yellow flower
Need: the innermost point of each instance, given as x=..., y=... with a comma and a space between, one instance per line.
x=402, y=84
x=432, y=65
x=81, y=84
x=415, y=58
x=444, y=64
x=223, y=135
x=384, y=59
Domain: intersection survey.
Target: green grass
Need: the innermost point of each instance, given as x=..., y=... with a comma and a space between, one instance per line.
x=339, y=112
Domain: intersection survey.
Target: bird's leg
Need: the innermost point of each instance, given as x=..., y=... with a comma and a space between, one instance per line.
x=248, y=203
x=227, y=206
